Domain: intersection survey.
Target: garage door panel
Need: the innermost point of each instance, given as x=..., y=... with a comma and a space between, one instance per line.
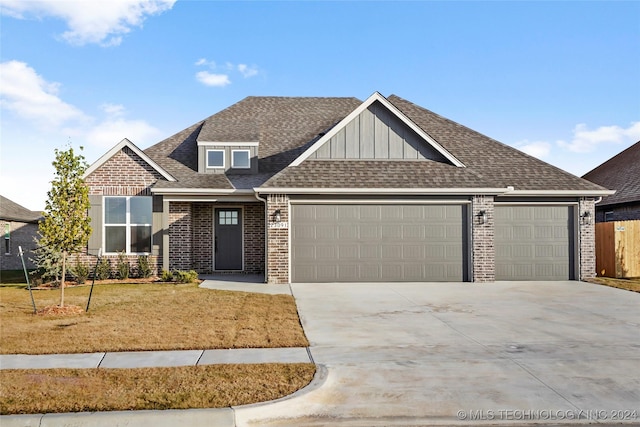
x=534, y=242
x=388, y=243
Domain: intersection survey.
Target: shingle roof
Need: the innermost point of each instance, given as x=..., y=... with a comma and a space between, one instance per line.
x=620, y=173
x=11, y=211
x=490, y=159
x=286, y=126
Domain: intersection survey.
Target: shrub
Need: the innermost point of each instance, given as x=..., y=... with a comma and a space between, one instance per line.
x=80, y=271
x=123, y=266
x=49, y=263
x=144, y=267
x=182, y=276
x=103, y=269
x=167, y=276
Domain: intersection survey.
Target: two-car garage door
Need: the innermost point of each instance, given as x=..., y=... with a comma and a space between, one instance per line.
x=378, y=242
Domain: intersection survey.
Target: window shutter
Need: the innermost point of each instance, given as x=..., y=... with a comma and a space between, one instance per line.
x=95, y=213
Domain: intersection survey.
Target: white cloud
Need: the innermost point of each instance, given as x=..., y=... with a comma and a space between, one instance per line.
x=30, y=96
x=247, y=71
x=112, y=130
x=102, y=22
x=36, y=102
x=585, y=140
x=115, y=110
x=222, y=79
x=538, y=149
x=211, y=79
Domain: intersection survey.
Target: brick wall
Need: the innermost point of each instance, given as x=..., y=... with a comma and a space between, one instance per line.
x=278, y=255
x=587, y=239
x=124, y=174
x=254, y=228
x=202, y=237
x=21, y=234
x=180, y=232
x=483, y=242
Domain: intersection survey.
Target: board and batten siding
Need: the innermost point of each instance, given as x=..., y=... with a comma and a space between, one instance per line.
x=376, y=133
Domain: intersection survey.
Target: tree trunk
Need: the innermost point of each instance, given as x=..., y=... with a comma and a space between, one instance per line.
x=64, y=272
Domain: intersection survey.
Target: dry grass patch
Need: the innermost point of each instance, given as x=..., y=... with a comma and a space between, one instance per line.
x=87, y=390
x=628, y=284
x=148, y=317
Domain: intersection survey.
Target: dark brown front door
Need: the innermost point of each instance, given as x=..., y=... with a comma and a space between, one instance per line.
x=228, y=239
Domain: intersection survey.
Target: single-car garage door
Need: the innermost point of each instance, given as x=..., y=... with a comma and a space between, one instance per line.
x=534, y=242
x=377, y=242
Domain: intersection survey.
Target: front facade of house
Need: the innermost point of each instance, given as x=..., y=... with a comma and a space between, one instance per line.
x=340, y=190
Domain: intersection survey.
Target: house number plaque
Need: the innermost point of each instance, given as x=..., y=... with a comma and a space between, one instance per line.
x=281, y=224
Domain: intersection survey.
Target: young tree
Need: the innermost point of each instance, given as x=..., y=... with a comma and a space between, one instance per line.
x=66, y=227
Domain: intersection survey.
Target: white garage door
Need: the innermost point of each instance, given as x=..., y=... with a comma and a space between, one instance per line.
x=377, y=243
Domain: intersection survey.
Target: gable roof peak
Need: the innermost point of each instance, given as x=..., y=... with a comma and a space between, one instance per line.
x=378, y=97
x=128, y=144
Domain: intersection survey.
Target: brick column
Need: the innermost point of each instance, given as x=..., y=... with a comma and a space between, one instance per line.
x=180, y=236
x=278, y=239
x=587, y=238
x=484, y=258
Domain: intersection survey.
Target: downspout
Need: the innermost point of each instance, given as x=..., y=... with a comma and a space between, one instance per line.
x=266, y=237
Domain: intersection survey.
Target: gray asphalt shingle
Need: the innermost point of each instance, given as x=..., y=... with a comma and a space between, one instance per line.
x=286, y=126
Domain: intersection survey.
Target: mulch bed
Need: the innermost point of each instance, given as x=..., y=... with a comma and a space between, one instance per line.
x=56, y=310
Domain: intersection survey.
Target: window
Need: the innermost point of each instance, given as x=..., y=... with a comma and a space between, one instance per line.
x=7, y=238
x=127, y=224
x=228, y=218
x=608, y=216
x=240, y=159
x=215, y=158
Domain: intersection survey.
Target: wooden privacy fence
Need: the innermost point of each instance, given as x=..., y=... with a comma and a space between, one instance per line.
x=618, y=249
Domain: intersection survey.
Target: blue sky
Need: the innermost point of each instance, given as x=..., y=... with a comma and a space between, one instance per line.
x=558, y=80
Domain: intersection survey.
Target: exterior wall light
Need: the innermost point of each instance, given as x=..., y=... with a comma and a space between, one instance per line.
x=586, y=217
x=482, y=217
x=277, y=216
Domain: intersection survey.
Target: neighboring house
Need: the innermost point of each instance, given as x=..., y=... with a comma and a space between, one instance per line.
x=19, y=228
x=340, y=190
x=620, y=173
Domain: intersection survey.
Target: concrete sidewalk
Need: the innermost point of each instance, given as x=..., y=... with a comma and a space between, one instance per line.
x=148, y=359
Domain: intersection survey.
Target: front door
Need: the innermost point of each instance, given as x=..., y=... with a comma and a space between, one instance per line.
x=228, y=239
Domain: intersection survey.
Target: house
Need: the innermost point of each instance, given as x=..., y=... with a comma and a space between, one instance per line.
x=620, y=173
x=340, y=190
x=19, y=228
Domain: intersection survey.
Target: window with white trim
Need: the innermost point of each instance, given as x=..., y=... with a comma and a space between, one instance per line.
x=241, y=159
x=215, y=158
x=127, y=224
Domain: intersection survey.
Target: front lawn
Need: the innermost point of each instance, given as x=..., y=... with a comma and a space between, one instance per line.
x=124, y=317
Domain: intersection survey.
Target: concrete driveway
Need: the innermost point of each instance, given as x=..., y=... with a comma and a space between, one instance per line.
x=465, y=354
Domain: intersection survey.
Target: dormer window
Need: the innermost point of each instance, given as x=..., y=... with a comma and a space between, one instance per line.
x=240, y=159
x=228, y=157
x=215, y=158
